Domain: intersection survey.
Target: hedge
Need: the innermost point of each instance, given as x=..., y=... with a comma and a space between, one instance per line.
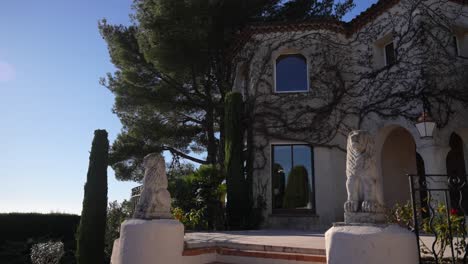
x=23, y=226
x=19, y=231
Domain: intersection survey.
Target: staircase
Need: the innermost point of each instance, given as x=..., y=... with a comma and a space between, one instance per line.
x=253, y=248
x=245, y=256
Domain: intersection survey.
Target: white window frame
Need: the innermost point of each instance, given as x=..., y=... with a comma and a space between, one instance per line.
x=307, y=72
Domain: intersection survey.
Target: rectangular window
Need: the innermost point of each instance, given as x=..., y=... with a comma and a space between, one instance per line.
x=292, y=178
x=390, y=57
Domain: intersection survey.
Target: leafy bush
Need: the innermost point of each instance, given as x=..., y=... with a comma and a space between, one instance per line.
x=198, y=198
x=192, y=220
x=438, y=224
x=116, y=214
x=47, y=253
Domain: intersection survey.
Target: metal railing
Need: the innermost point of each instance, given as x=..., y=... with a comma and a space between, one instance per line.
x=135, y=196
x=439, y=209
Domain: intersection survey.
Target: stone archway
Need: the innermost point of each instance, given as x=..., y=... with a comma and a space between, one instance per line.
x=398, y=158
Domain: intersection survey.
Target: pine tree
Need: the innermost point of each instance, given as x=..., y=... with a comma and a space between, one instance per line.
x=91, y=232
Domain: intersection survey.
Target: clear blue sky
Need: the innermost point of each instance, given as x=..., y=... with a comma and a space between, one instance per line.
x=51, y=59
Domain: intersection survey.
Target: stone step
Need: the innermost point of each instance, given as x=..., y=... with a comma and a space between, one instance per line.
x=233, y=255
x=259, y=248
x=255, y=247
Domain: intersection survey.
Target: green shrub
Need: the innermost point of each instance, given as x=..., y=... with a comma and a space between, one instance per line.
x=199, y=195
x=403, y=216
x=193, y=219
x=184, y=192
x=47, y=253
x=19, y=231
x=15, y=252
x=91, y=233
x=116, y=214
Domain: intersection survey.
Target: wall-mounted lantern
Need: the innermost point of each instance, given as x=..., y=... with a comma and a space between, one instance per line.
x=425, y=125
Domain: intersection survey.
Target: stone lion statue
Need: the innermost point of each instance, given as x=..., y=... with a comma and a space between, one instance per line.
x=362, y=180
x=155, y=200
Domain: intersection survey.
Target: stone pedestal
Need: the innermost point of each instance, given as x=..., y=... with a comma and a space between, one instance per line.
x=360, y=217
x=149, y=242
x=367, y=243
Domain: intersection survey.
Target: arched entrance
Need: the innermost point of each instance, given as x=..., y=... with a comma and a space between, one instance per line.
x=398, y=158
x=456, y=171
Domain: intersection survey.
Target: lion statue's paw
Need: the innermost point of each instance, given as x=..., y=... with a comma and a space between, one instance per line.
x=370, y=207
x=351, y=206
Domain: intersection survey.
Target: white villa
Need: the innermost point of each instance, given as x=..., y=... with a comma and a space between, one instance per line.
x=397, y=71
x=281, y=68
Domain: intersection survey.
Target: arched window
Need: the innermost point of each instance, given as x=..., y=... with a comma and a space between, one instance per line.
x=291, y=73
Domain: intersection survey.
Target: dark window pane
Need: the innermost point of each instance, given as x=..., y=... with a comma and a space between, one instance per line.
x=390, y=54
x=455, y=45
x=291, y=73
x=283, y=157
x=292, y=177
x=303, y=157
x=281, y=167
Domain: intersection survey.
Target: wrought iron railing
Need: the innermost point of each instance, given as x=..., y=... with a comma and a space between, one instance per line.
x=439, y=209
x=135, y=196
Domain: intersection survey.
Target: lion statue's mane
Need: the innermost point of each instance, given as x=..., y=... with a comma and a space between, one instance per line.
x=155, y=200
x=361, y=174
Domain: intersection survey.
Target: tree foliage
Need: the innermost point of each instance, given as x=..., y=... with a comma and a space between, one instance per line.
x=91, y=231
x=173, y=73
x=238, y=206
x=199, y=198
x=311, y=9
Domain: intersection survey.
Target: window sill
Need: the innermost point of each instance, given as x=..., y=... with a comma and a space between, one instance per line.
x=291, y=92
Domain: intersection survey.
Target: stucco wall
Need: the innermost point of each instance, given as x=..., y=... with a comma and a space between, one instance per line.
x=330, y=179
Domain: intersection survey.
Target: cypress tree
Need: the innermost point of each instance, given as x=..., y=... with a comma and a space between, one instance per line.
x=91, y=232
x=237, y=190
